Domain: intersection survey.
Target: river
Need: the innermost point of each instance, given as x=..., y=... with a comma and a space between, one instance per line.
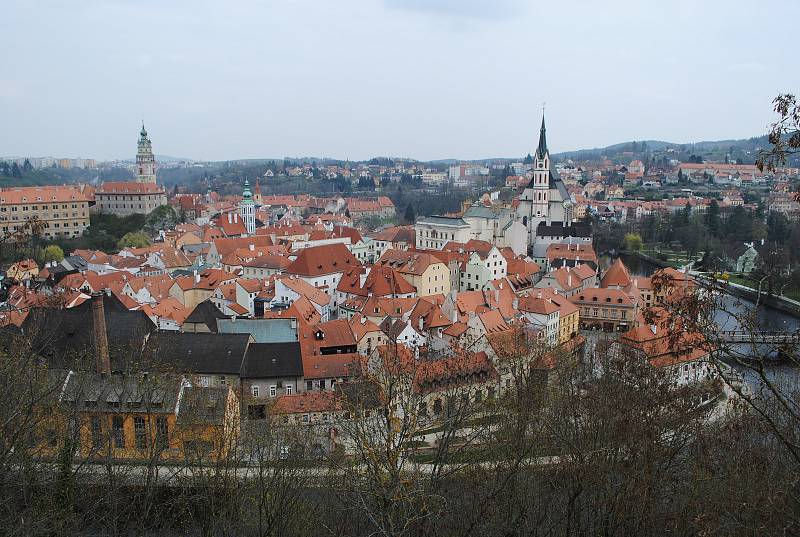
x=783, y=372
x=766, y=318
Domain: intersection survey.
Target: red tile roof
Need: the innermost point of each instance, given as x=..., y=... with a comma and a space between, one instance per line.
x=322, y=260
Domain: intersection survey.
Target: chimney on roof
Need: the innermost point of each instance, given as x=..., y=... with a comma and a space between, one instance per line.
x=196, y=277
x=515, y=303
x=230, y=218
x=102, y=362
x=497, y=296
x=454, y=316
x=421, y=323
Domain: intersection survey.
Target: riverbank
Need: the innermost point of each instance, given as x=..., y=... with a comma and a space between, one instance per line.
x=781, y=303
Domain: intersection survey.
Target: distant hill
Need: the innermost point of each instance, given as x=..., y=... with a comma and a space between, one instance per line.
x=745, y=150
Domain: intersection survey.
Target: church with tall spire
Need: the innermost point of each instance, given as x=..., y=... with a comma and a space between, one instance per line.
x=145, y=161
x=545, y=201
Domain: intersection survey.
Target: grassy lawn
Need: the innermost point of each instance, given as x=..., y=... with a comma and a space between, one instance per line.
x=743, y=280
x=675, y=258
x=789, y=292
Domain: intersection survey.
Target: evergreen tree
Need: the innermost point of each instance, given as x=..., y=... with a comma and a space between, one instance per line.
x=15, y=171
x=410, y=217
x=27, y=167
x=528, y=159
x=713, y=220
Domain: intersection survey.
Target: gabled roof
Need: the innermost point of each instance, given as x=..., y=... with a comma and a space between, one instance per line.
x=431, y=315
x=335, y=333
x=305, y=289
x=361, y=326
x=205, y=313
x=186, y=352
x=415, y=263
x=229, y=245
x=322, y=366
x=168, y=308
x=493, y=322
x=209, y=279
x=62, y=335
x=322, y=260
x=600, y=296
x=273, y=360
x=617, y=275
x=301, y=309
x=537, y=304
x=308, y=402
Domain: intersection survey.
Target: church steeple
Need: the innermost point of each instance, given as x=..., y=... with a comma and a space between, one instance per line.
x=541, y=151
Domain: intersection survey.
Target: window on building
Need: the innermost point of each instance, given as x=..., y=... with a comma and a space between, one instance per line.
x=139, y=432
x=289, y=390
x=97, y=431
x=255, y=391
x=162, y=432
x=118, y=427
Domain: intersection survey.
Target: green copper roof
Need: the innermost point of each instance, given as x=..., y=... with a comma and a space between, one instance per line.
x=247, y=194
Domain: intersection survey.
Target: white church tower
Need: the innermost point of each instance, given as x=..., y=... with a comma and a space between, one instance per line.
x=534, y=202
x=145, y=161
x=541, y=178
x=247, y=209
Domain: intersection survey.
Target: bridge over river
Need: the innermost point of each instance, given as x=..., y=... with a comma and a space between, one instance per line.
x=776, y=337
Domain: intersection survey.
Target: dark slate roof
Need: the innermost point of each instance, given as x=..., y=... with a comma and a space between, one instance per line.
x=89, y=391
x=64, y=337
x=205, y=313
x=560, y=230
x=76, y=262
x=197, y=352
x=202, y=406
x=273, y=360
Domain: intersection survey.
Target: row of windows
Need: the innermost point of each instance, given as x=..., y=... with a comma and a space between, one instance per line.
x=273, y=390
x=131, y=206
x=438, y=235
x=106, y=197
x=14, y=208
x=140, y=432
x=606, y=313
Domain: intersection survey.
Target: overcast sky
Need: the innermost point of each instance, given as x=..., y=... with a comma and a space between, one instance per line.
x=360, y=78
